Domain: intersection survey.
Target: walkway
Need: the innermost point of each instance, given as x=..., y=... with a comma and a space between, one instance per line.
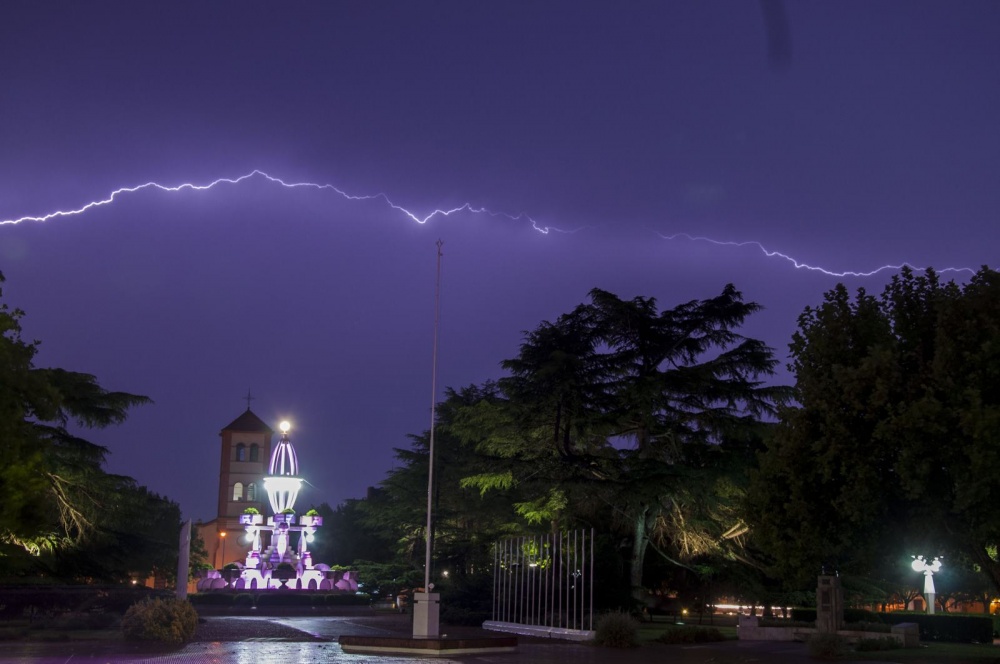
x=307, y=640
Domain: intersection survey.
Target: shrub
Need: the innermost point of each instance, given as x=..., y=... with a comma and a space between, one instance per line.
x=211, y=599
x=170, y=621
x=825, y=646
x=850, y=615
x=251, y=510
x=283, y=599
x=616, y=629
x=243, y=599
x=877, y=643
x=675, y=635
x=869, y=627
x=347, y=599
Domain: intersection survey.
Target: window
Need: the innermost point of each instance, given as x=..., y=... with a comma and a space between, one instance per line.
x=254, y=453
x=252, y=491
x=241, y=452
x=238, y=491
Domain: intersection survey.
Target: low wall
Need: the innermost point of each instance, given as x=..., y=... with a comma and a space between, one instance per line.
x=749, y=629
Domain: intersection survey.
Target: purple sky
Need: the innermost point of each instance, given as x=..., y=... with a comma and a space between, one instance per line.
x=877, y=143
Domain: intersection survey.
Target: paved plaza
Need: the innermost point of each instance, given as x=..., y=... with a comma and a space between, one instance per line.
x=267, y=640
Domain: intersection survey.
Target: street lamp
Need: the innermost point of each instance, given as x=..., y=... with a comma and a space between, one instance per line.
x=222, y=536
x=919, y=564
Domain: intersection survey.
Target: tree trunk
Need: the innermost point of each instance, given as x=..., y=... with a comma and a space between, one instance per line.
x=639, y=542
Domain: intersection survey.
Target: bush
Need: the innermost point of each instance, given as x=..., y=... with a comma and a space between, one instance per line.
x=348, y=600
x=951, y=627
x=616, y=629
x=460, y=615
x=825, y=646
x=211, y=599
x=283, y=599
x=243, y=599
x=877, y=643
x=170, y=621
x=882, y=628
x=675, y=635
x=850, y=615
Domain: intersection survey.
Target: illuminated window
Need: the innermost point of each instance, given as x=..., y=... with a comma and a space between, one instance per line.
x=238, y=491
x=251, y=491
x=241, y=452
x=254, y=453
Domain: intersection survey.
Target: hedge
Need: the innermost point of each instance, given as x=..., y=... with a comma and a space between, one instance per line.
x=950, y=627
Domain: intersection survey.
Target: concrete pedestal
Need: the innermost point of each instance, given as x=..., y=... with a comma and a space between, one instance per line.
x=829, y=605
x=426, y=615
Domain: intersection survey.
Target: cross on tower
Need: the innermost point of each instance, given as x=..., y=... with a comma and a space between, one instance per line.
x=248, y=398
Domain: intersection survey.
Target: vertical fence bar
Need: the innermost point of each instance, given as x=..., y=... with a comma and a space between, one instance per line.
x=591, y=627
x=576, y=575
x=559, y=577
x=533, y=613
x=529, y=573
x=506, y=596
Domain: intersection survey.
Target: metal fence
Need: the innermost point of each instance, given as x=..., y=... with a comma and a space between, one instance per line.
x=545, y=580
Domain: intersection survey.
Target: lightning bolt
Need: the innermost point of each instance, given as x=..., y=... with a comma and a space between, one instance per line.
x=805, y=266
x=466, y=207
x=117, y=193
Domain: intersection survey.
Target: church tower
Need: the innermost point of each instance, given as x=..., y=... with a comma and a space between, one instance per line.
x=246, y=451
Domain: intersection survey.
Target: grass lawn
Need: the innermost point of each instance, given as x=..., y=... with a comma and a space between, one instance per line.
x=650, y=632
x=934, y=653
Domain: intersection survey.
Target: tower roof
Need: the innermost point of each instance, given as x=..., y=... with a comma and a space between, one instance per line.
x=248, y=423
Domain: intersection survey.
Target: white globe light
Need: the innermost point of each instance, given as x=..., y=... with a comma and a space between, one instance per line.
x=284, y=426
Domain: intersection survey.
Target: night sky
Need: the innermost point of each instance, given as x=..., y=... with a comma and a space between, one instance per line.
x=864, y=135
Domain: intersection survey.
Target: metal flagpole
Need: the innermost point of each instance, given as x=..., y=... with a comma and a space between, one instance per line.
x=426, y=623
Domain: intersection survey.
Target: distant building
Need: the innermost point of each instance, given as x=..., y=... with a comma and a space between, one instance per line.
x=245, y=448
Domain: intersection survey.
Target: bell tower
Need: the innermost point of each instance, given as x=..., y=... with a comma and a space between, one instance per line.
x=246, y=451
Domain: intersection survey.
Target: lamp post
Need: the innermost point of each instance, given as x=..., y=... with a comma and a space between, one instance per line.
x=919, y=564
x=222, y=536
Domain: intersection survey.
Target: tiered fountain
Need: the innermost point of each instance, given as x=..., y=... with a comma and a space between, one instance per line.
x=278, y=566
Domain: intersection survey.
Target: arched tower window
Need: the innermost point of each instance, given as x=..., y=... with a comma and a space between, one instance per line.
x=241, y=452
x=251, y=491
x=254, y=452
x=238, y=491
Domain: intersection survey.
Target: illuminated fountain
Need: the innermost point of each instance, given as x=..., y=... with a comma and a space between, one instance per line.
x=278, y=565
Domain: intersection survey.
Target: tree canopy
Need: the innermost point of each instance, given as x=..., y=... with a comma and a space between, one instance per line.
x=894, y=446
x=627, y=413
x=63, y=515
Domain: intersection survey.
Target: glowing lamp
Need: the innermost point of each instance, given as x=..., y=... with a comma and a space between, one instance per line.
x=928, y=569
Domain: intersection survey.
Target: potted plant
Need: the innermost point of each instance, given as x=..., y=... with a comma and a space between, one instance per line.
x=283, y=572
x=201, y=570
x=251, y=517
x=285, y=516
x=311, y=518
x=230, y=572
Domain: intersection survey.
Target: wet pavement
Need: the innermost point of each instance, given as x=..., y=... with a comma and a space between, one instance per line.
x=267, y=640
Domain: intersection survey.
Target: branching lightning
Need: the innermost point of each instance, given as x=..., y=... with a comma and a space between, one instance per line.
x=805, y=266
x=117, y=193
x=466, y=207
